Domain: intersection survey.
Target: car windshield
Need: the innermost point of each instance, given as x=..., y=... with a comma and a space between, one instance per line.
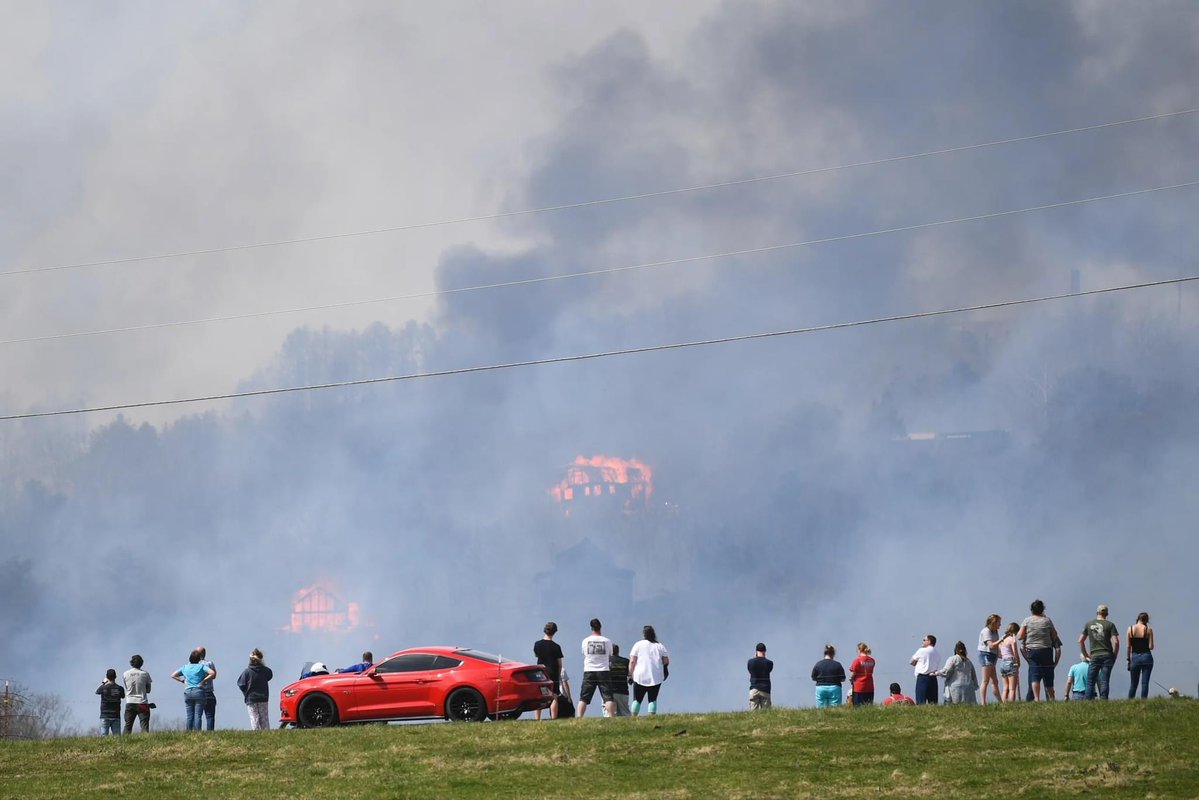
x=480, y=655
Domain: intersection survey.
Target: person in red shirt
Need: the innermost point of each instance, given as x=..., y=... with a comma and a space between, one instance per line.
x=861, y=672
x=898, y=698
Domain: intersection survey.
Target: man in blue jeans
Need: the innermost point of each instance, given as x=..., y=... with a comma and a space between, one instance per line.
x=1103, y=641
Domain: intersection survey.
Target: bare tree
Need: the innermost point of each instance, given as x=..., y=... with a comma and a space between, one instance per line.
x=33, y=715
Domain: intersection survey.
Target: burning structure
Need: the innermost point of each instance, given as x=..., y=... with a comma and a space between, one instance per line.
x=321, y=608
x=626, y=483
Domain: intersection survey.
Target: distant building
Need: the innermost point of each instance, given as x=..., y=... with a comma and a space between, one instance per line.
x=320, y=607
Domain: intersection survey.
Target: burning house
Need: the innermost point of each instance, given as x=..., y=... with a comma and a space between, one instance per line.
x=605, y=482
x=321, y=608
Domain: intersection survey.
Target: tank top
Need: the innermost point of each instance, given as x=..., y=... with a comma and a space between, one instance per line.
x=1138, y=644
x=1007, y=647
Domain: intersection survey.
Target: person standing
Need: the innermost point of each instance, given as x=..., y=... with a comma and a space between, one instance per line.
x=1099, y=643
x=368, y=659
x=111, y=695
x=209, y=689
x=597, y=652
x=549, y=656
x=193, y=675
x=1009, y=663
x=898, y=698
x=926, y=662
x=1076, y=680
x=1140, y=655
x=988, y=654
x=618, y=667
x=1042, y=649
x=961, y=681
x=137, y=695
x=254, y=684
x=829, y=675
x=861, y=673
x=759, y=668
x=649, y=665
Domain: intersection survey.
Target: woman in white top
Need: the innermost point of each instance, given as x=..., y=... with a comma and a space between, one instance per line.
x=648, y=667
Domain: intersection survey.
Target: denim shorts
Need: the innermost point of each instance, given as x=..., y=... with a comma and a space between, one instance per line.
x=1007, y=667
x=986, y=658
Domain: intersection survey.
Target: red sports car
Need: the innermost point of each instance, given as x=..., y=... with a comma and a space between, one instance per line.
x=453, y=683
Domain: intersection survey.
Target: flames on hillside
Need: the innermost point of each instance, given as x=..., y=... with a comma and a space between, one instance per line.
x=605, y=480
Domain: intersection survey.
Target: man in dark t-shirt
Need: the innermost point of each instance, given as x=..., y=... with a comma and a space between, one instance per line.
x=759, y=668
x=549, y=656
x=618, y=667
x=1103, y=640
x=111, y=694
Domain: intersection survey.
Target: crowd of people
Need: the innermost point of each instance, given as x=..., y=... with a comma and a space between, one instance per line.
x=199, y=695
x=605, y=671
x=1034, y=642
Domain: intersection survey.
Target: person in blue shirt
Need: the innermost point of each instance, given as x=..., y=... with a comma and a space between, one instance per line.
x=368, y=658
x=194, y=676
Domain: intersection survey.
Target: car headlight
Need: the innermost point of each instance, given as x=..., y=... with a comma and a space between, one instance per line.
x=290, y=692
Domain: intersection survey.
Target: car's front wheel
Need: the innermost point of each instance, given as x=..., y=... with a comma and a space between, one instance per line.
x=317, y=711
x=465, y=705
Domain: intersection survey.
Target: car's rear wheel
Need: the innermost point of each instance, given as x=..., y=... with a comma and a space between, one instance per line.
x=465, y=705
x=317, y=711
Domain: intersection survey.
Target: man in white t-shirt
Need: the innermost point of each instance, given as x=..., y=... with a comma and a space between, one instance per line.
x=926, y=662
x=597, y=650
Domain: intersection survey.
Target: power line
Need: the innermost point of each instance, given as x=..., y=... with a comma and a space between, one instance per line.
x=597, y=272
x=595, y=202
x=603, y=354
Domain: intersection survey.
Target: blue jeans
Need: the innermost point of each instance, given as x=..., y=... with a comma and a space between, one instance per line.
x=926, y=690
x=108, y=726
x=193, y=706
x=1099, y=674
x=828, y=696
x=209, y=711
x=1140, y=667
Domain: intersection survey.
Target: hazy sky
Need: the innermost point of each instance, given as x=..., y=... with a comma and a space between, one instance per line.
x=784, y=511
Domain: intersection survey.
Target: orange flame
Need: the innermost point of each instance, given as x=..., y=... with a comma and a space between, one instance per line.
x=601, y=476
x=320, y=608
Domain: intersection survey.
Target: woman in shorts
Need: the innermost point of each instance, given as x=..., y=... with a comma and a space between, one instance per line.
x=988, y=654
x=1009, y=664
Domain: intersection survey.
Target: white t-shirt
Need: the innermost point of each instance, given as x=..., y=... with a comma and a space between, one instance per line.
x=596, y=652
x=928, y=660
x=985, y=637
x=648, y=671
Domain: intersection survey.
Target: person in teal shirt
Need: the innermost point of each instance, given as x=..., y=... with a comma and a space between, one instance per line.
x=194, y=676
x=1076, y=681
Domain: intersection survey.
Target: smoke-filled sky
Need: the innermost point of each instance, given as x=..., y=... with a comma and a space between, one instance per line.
x=791, y=503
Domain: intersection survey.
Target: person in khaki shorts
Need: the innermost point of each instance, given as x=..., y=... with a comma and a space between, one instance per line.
x=759, y=679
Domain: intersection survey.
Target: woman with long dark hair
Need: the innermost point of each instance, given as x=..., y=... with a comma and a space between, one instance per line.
x=961, y=681
x=1140, y=655
x=649, y=667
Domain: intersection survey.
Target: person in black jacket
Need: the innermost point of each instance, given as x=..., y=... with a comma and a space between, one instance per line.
x=253, y=683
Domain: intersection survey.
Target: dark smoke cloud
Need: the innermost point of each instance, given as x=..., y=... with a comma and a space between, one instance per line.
x=788, y=506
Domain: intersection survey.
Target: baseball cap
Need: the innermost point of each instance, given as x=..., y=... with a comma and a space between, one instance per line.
x=1102, y=609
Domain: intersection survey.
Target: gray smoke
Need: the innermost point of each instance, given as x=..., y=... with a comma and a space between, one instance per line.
x=793, y=503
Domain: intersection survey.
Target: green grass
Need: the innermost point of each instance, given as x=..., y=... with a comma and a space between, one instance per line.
x=1116, y=749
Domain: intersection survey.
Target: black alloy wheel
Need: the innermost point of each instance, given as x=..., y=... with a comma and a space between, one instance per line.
x=317, y=711
x=465, y=705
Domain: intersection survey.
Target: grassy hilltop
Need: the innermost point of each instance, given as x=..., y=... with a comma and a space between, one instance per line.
x=1116, y=749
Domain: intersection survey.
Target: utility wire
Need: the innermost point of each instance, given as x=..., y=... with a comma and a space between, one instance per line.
x=603, y=354
x=595, y=202
x=595, y=272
